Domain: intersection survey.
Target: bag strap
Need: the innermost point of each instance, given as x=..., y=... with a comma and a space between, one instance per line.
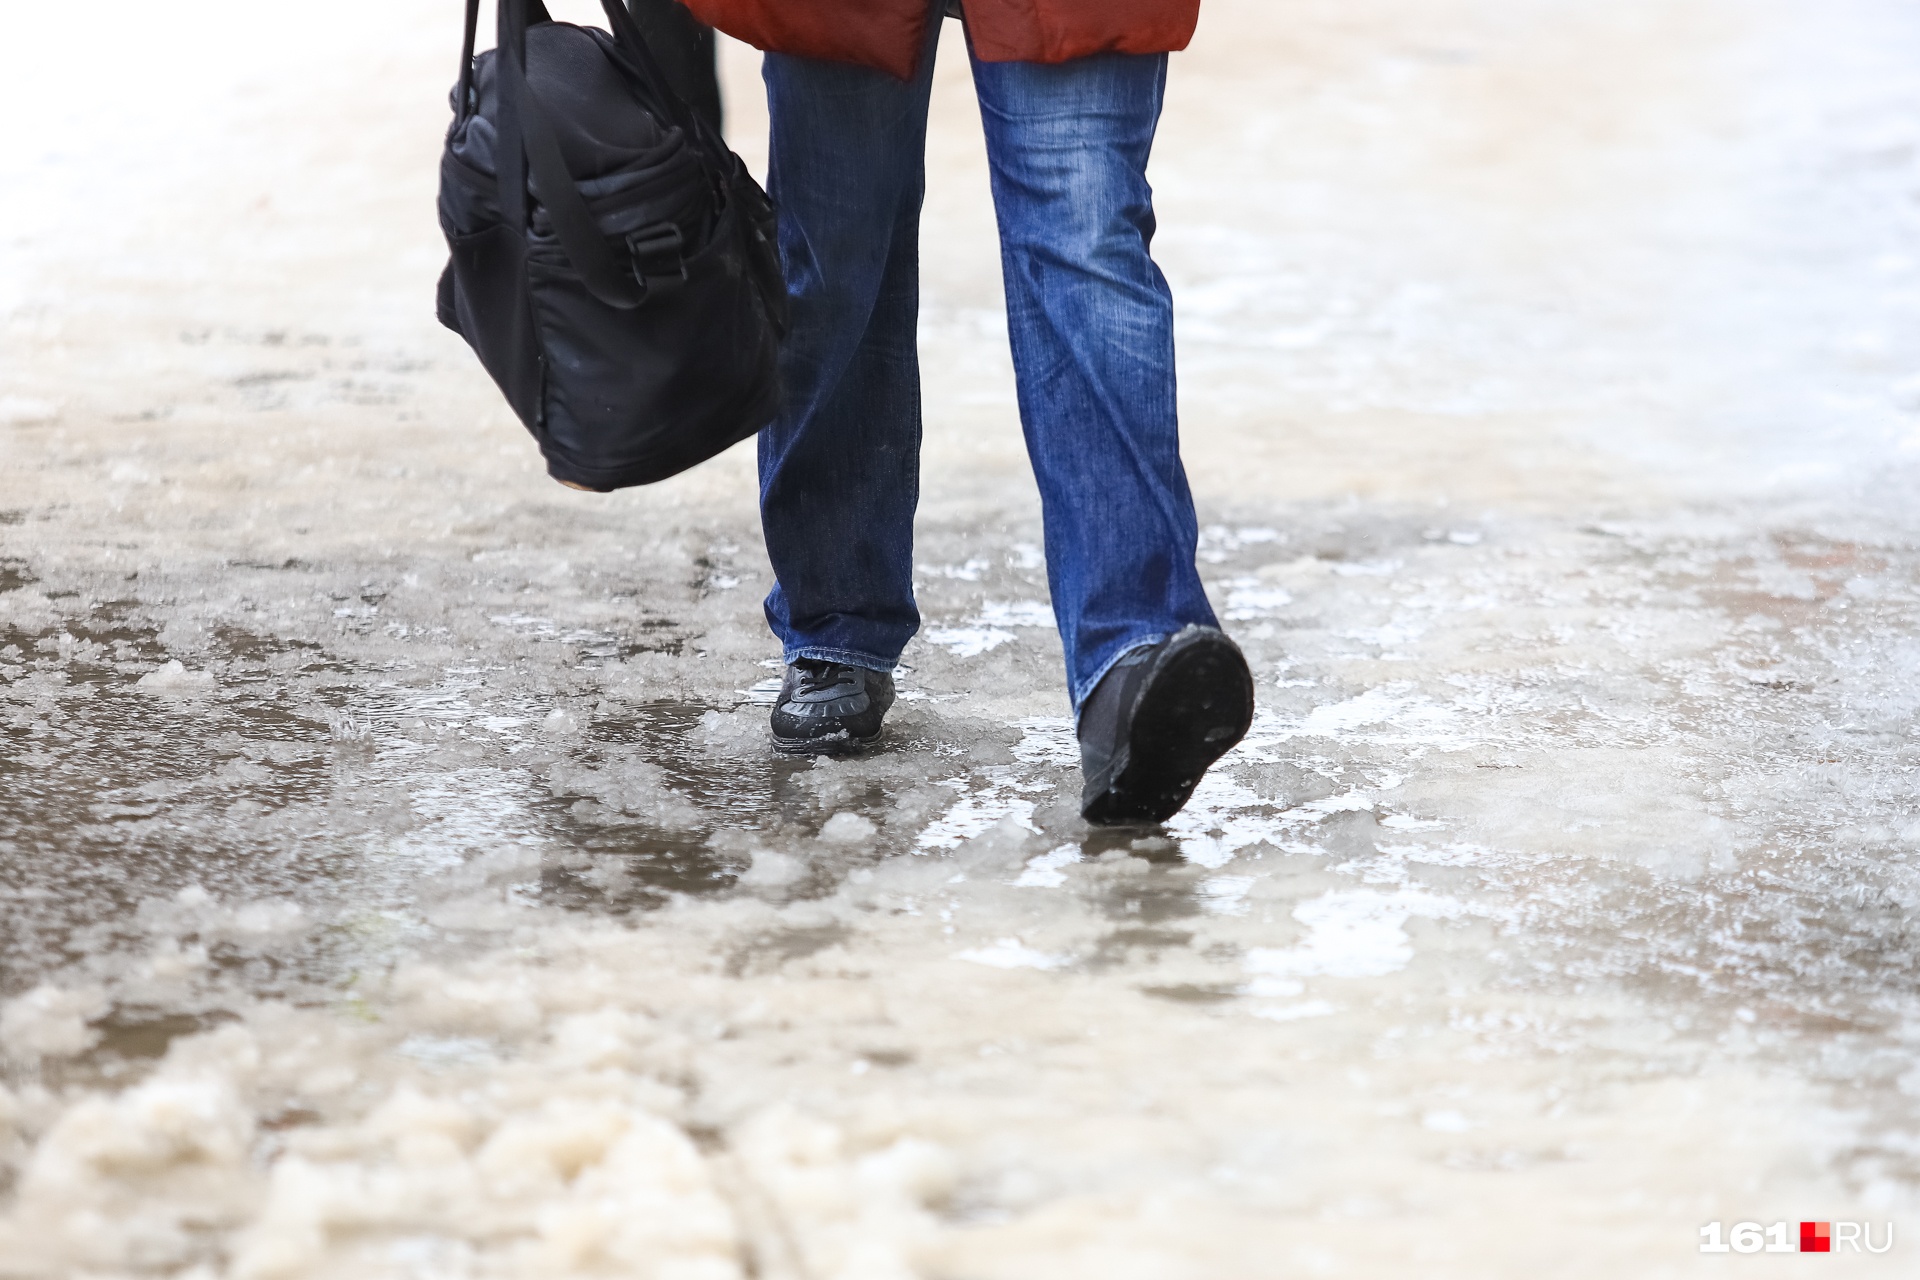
x=526, y=140
x=463, y=96
x=627, y=31
x=510, y=157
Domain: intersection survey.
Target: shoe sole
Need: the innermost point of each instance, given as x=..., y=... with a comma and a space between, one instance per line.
x=1194, y=707
x=833, y=744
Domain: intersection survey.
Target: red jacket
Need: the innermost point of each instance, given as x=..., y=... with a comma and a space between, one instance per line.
x=889, y=34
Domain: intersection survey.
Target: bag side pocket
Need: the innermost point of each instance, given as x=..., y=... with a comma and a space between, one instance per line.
x=492, y=311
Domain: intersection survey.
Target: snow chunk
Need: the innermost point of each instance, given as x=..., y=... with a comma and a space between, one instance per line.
x=734, y=732
x=50, y=1021
x=560, y=723
x=1044, y=871
x=848, y=828
x=167, y=1121
x=193, y=910
x=173, y=677
x=762, y=693
x=771, y=870
x=632, y=787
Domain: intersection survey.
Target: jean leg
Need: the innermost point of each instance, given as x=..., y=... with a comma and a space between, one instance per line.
x=839, y=466
x=1091, y=322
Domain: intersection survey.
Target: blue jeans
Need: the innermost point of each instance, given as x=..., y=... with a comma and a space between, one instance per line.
x=1091, y=321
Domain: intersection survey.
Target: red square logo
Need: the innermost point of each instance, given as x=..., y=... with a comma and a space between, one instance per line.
x=1816, y=1237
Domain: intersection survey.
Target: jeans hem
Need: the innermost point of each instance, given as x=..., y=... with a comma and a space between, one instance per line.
x=1082, y=692
x=847, y=657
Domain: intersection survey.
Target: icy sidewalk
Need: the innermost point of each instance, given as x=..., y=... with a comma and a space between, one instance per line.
x=1568, y=914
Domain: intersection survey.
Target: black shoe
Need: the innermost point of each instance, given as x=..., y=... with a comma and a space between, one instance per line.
x=830, y=708
x=1156, y=722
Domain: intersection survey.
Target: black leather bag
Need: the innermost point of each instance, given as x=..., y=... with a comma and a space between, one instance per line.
x=613, y=263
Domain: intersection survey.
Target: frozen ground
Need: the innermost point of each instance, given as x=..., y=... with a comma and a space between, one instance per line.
x=395, y=884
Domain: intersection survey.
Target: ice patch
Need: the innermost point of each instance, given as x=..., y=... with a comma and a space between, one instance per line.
x=1218, y=542
x=1453, y=855
x=1222, y=818
x=1230, y=832
x=442, y=1052
x=1348, y=802
x=1294, y=1012
x=260, y=919
x=1015, y=613
x=1352, y=933
x=602, y=645
x=968, y=642
x=1047, y=741
x=1390, y=636
x=762, y=693
x=975, y=811
x=347, y=727
x=172, y=676
x=1044, y=871
x=1249, y=598
x=1407, y=717
x=453, y=816
x=987, y=631
x=971, y=571
x=1226, y=895
x=1011, y=953
x=25, y=411
x=631, y=787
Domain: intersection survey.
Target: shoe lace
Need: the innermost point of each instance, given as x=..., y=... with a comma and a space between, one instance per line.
x=816, y=676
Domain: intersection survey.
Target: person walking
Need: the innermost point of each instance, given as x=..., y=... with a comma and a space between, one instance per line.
x=1070, y=93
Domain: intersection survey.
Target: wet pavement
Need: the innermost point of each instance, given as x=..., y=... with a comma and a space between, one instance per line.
x=395, y=880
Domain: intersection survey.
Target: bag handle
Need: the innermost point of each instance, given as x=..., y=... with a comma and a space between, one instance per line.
x=525, y=139
x=510, y=156
x=627, y=31
x=463, y=96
